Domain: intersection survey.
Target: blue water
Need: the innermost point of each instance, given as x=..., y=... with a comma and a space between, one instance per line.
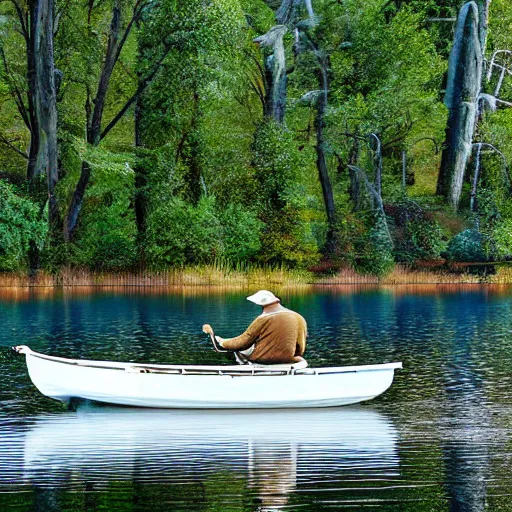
x=438, y=440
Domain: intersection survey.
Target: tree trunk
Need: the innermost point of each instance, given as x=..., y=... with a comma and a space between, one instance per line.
x=376, y=147
x=47, y=157
x=463, y=89
x=32, y=169
x=76, y=201
x=194, y=158
x=483, y=9
x=140, y=169
x=94, y=122
x=140, y=175
x=111, y=57
x=321, y=161
x=355, y=186
x=33, y=150
x=275, y=72
x=275, y=91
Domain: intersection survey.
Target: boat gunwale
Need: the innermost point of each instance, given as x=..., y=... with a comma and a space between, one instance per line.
x=212, y=370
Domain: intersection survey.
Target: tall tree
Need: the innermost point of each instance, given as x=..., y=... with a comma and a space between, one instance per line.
x=274, y=61
x=33, y=88
x=319, y=99
x=95, y=106
x=34, y=94
x=46, y=101
x=462, y=97
x=204, y=44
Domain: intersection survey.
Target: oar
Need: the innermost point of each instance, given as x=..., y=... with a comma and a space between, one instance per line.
x=241, y=359
x=211, y=335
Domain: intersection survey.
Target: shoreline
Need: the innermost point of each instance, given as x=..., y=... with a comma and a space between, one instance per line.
x=213, y=276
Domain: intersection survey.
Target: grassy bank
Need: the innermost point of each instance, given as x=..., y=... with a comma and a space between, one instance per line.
x=260, y=276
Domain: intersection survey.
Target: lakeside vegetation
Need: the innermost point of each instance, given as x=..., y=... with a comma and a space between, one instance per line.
x=290, y=141
x=222, y=277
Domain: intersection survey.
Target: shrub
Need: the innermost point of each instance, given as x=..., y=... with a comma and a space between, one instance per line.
x=502, y=237
x=21, y=226
x=179, y=233
x=427, y=239
x=106, y=235
x=374, y=251
x=417, y=234
x=286, y=239
x=363, y=241
x=241, y=233
x=275, y=161
x=469, y=246
x=107, y=239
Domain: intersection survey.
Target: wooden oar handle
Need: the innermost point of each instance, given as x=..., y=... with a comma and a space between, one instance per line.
x=215, y=343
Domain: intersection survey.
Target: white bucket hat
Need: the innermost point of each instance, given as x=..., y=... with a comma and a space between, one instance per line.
x=263, y=298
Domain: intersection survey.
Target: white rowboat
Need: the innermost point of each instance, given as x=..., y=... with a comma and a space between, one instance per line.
x=206, y=387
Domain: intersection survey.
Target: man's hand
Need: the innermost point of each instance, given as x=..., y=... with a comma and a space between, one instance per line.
x=207, y=329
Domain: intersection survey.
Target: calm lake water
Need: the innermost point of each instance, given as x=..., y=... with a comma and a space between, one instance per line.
x=438, y=440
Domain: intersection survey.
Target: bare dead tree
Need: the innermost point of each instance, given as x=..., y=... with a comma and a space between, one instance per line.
x=462, y=94
x=376, y=147
x=274, y=67
x=275, y=72
x=375, y=197
x=287, y=10
x=500, y=65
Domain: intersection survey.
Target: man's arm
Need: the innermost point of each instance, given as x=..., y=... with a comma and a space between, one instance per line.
x=246, y=339
x=301, y=338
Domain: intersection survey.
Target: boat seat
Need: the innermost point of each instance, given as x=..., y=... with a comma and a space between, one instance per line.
x=299, y=365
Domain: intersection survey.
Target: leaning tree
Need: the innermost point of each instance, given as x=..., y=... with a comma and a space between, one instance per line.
x=463, y=93
x=469, y=76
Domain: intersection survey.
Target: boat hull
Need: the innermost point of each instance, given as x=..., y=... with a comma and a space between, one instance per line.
x=126, y=385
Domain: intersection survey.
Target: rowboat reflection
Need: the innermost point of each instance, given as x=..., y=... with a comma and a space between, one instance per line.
x=272, y=451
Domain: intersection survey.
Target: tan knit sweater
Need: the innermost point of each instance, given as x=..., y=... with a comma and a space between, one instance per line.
x=277, y=338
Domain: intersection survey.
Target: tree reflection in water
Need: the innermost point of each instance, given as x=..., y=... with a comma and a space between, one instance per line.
x=466, y=446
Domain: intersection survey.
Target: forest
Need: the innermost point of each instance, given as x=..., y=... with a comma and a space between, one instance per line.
x=314, y=134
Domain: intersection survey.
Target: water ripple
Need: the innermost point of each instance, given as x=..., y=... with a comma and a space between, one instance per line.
x=439, y=439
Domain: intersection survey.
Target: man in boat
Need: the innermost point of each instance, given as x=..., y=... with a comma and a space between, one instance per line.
x=277, y=336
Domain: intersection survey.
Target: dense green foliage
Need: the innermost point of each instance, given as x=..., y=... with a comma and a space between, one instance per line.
x=20, y=228
x=179, y=232
x=286, y=236
x=188, y=169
